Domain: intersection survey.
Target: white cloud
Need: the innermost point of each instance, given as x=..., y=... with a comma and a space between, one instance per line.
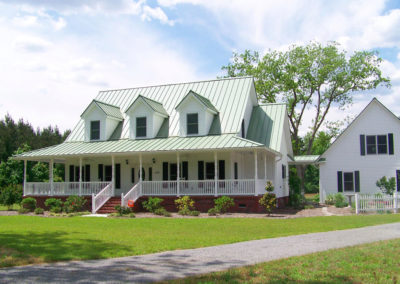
x=25, y=21
x=31, y=44
x=157, y=13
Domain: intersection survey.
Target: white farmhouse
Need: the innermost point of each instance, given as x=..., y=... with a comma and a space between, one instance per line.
x=203, y=139
x=366, y=151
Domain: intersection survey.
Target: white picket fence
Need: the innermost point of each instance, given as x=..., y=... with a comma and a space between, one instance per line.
x=377, y=202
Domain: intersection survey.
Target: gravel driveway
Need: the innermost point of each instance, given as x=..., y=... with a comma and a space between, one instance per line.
x=181, y=263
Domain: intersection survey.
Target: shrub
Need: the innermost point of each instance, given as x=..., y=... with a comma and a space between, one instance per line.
x=131, y=215
x=52, y=203
x=308, y=206
x=194, y=213
x=387, y=186
x=340, y=200
x=55, y=209
x=330, y=199
x=316, y=198
x=223, y=203
x=268, y=201
x=39, y=211
x=122, y=210
x=10, y=195
x=23, y=210
x=184, y=212
x=213, y=211
x=184, y=203
x=29, y=203
x=74, y=204
x=162, y=212
x=152, y=204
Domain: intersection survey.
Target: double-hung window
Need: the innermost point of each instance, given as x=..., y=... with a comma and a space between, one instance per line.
x=348, y=181
x=95, y=130
x=192, y=123
x=382, y=144
x=371, y=144
x=376, y=144
x=141, y=127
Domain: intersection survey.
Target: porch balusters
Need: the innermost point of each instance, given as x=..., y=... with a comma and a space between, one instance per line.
x=113, y=175
x=177, y=175
x=215, y=174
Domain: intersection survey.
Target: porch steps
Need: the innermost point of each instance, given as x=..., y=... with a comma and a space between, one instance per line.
x=108, y=207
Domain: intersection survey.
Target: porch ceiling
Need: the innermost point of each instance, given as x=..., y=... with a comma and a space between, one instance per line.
x=217, y=142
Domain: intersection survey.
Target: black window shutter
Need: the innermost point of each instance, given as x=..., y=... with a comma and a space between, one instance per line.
x=71, y=173
x=391, y=144
x=221, y=169
x=362, y=145
x=185, y=170
x=200, y=168
x=357, y=180
x=340, y=181
x=236, y=172
x=243, y=131
x=150, y=173
x=117, y=175
x=133, y=175
x=100, y=172
x=398, y=180
x=87, y=172
x=165, y=170
x=77, y=173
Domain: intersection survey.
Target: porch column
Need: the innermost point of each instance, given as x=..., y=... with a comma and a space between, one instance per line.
x=215, y=174
x=265, y=166
x=80, y=176
x=255, y=172
x=177, y=175
x=140, y=173
x=51, y=177
x=113, y=175
x=25, y=164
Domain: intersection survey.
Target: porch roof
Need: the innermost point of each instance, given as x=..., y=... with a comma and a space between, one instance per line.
x=216, y=142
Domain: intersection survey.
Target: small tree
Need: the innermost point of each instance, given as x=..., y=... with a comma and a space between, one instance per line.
x=268, y=201
x=10, y=195
x=387, y=186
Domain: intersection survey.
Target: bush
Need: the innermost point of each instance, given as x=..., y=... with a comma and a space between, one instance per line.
x=184, y=212
x=268, y=201
x=10, y=195
x=185, y=203
x=387, y=186
x=52, y=203
x=340, y=200
x=308, y=206
x=74, y=204
x=316, y=198
x=162, y=212
x=223, y=203
x=122, y=210
x=131, y=215
x=39, y=211
x=330, y=199
x=29, y=203
x=194, y=213
x=152, y=204
x=23, y=210
x=213, y=211
x=55, y=209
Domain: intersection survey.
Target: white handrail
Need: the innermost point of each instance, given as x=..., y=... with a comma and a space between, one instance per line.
x=64, y=188
x=101, y=198
x=133, y=194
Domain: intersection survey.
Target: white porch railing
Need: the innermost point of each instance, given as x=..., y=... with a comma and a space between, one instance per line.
x=197, y=187
x=133, y=194
x=237, y=187
x=376, y=202
x=101, y=198
x=159, y=188
x=64, y=188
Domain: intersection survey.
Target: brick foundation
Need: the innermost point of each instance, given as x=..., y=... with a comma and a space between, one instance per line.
x=41, y=199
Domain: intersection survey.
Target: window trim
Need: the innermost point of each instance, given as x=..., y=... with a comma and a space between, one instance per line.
x=353, y=182
x=191, y=124
x=91, y=130
x=377, y=144
x=141, y=127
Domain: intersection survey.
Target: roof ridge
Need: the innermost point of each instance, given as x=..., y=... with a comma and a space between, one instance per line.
x=268, y=104
x=97, y=101
x=172, y=84
x=146, y=98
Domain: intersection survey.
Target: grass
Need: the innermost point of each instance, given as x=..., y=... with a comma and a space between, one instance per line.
x=56, y=239
x=15, y=207
x=371, y=263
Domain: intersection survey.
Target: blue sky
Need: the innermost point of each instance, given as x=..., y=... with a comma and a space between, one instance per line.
x=56, y=55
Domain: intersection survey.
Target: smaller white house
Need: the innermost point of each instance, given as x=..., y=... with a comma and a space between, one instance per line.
x=366, y=151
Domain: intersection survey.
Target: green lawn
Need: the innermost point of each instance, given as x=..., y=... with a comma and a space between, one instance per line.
x=52, y=239
x=14, y=207
x=371, y=263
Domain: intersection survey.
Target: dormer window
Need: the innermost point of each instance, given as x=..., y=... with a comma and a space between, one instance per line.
x=141, y=127
x=95, y=130
x=192, y=123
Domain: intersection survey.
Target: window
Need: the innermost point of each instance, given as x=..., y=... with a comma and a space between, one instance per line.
x=132, y=175
x=173, y=172
x=95, y=130
x=150, y=173
x=283, y=171
x=107, y=173
x=141, y=127
x=371, y=144
x=143, y=174
x=192, y=123
x=348, y=181
x=200, y=170
x=382, y=144
x=210, y=170
x=235, y=170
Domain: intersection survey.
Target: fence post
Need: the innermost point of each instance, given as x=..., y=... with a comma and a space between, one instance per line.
x=93, y=209
x=395, y=203
x=357, y=203
x=122, y=199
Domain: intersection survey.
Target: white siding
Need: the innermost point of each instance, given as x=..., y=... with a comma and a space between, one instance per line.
x=344, y=155
x=107, y=124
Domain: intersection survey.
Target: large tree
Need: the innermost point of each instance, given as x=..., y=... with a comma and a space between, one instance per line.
x=314, y=77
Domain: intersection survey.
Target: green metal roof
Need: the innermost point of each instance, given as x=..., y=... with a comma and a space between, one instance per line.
x=227, y=141
x=155, y=106
x=206, y=102
x=267, y=125
x=305, y=159
x=109, y=110
x=229, y=96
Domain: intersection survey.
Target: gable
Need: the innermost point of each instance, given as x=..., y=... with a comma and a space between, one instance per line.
x=151, y=104
x=108, y=110
x=228, y=96
x=374, y=119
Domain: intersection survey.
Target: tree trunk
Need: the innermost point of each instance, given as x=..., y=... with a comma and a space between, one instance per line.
x=300, y=174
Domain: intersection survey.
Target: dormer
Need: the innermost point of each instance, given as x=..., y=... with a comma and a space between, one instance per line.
x=101, y=119
x=196, y=115
x=147, y=118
